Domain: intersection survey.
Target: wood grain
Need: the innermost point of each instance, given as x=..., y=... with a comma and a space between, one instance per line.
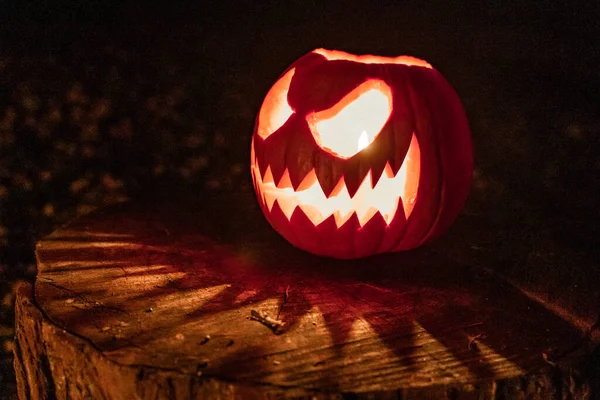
x=168, y=289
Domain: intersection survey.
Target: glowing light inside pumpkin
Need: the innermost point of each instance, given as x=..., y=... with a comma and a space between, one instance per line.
x=333, y=55
x=275, y=109
x=385, y=197
x=363, y=111
x=363, y=141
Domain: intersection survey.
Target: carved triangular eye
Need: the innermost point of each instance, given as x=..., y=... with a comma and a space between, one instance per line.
x=353, y=123
x=275, y=110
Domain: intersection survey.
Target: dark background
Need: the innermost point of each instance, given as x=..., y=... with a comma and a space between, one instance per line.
x=103, y=102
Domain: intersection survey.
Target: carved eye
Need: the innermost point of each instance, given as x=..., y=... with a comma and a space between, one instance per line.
x=275, y=109
x=355, y=121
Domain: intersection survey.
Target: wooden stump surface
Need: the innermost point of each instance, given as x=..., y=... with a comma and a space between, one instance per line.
x=155, y=300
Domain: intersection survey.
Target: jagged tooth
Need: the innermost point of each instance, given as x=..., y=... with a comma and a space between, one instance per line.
x=370, y=236
x=267, y=177
x=254, y=171
x=350, y=222
x=377, y=216
x=388, y=171
x=312, y=213
x=377, y=171
x=355, y=181
x=402, y=143
x=308, y=182
x=273, y=151
x=299, y=152
x=262, y=165
x=261, y=155
x=285, y=181
x=269, y=197
x=366, y=216
x=287, y=205
x=328, y=223
x=352, y=186
x=281, y=223
x=277, y=172
x=341, y=243
x=338, y=189
x=341, y=219
x=343, y=206
x=307, y=236
x=328, y=185
x=378, y=155
x=329, y=174
x=395, y=167
x=297, y=175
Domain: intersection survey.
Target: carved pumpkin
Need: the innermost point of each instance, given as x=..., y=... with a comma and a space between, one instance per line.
x=358, y=155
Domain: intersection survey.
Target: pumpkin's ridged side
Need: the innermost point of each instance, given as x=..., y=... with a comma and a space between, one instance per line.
x=424, y=104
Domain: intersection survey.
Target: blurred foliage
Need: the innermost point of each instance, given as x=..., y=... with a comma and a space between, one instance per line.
x=79, y=135
x=93, y=129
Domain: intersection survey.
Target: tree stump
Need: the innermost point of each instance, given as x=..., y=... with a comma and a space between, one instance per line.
x=200, y=299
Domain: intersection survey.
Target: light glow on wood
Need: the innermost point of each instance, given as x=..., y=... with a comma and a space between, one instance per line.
x=384, y=198
x=364, y=110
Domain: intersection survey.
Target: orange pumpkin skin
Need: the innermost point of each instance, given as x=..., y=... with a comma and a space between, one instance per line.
x=401, y=185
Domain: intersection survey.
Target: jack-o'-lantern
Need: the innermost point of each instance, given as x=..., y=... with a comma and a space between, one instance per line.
x=358, y=155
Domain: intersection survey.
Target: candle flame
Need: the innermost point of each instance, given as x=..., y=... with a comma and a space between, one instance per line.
x=365, y=109
x=363, y=140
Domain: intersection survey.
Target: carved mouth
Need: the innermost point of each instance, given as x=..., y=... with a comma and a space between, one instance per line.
x=390, y=195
